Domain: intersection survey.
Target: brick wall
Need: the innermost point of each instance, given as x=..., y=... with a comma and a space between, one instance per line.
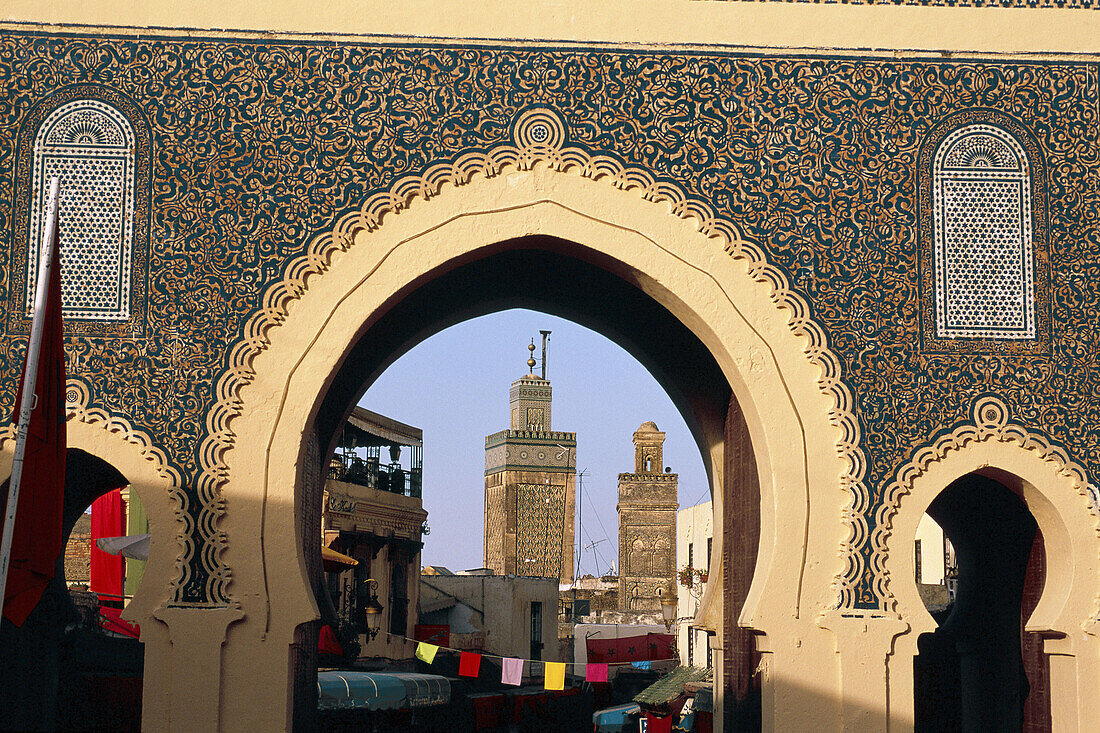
x=741, y=532
x=78, y=552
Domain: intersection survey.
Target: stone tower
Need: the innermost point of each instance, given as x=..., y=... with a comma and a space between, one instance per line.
x=647, y=524
x=530, y=484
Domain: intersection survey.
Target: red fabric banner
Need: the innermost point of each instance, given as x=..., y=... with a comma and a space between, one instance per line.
x=111, y=620
x=106, y=568
x=653, y=647
x=653, y=724
x=36, y=538
x=438, y=634
x=469, y=664
x=489, y=710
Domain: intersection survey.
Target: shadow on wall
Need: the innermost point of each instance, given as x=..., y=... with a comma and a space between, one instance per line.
x=56, y=673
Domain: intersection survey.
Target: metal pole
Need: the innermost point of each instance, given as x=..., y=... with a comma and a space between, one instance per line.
x=545, y=336
x=29, y=398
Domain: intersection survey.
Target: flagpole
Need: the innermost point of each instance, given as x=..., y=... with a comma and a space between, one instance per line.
x=29, y=398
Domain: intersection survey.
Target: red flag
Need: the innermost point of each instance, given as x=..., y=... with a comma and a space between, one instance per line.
x=36, y=539
x=469, y=664
x=107, y=569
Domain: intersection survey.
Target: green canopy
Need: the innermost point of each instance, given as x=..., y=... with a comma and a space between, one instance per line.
x=671, y=686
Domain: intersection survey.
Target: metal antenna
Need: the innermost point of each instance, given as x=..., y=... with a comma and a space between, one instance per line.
x=545, y=338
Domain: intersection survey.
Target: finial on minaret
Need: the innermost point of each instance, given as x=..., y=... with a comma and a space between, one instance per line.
x=531, y=358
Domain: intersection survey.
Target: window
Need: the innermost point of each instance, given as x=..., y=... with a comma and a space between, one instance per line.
x=399, y=597
x=536, y=630
x=983, y=250
x=89, y=145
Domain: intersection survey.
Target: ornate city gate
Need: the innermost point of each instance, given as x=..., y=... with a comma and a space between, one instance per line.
x=877, y=270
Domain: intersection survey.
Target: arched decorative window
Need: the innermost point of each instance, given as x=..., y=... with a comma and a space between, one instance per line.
x=89, y=144
x=984, y=261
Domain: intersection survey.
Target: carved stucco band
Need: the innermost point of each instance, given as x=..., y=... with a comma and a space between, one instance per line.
x=989, y=421
x=539, y=139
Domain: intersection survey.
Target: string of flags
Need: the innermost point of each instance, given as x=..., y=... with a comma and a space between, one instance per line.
x=511, y=668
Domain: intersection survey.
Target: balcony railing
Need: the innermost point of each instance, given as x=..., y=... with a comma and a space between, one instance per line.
x=392, y=478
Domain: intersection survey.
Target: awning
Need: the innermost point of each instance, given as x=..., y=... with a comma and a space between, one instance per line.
x=334, y=562
x=349, y=690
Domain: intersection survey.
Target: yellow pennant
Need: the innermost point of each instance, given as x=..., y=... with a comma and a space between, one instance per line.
x=555, y=675
x=425, y=652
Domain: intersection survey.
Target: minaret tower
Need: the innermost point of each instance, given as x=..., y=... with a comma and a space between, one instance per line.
x=647, y=524
x=530, y=485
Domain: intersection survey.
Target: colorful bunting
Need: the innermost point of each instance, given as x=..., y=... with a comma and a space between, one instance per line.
x=469, y=664
x=425, y=652
x=511, y=671
x=555, y=676
x=511, y=668
x=596, y=673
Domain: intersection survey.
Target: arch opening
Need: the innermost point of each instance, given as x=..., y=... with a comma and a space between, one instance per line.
x=980, y=670
x=561, y=278
x=52, y=667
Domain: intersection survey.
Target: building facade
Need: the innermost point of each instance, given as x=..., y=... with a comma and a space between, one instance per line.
x=373, y=512
x=530, y=489
x=694, y=545
x=855, y=241
x=647, y=525
x=508, y=616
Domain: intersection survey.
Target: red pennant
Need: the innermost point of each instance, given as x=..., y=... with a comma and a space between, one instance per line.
x=469, y=664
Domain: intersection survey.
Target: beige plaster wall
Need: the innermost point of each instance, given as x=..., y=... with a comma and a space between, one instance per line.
x=506, y=604
x=932, y=566
x=771, y=25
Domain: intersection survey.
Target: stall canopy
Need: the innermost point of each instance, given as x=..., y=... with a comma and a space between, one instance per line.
x=671, y=686
x=347, y=690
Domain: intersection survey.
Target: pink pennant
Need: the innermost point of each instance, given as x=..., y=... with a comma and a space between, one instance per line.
x=511, y=671
x=595, y=673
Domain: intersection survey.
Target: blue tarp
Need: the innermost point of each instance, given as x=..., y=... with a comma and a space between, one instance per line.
x=613, y=720
x=349, y=690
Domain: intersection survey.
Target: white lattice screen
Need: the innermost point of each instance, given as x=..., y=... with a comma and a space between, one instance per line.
x=983, y=237
x=90, y=146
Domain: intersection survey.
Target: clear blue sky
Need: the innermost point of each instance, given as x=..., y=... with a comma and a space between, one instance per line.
x=454, y=386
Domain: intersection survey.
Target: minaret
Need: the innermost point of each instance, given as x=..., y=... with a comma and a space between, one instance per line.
x=647, y=524
x=530, y=480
